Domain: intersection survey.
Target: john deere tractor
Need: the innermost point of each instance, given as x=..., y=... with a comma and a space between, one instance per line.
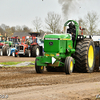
x=64, y=52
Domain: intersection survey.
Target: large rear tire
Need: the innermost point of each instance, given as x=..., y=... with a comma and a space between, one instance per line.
x=35, y=51
x=1, y=52
x=8, y=52
x=84, y=56
x=39, y=69
x=5, y=50
x=28, y=53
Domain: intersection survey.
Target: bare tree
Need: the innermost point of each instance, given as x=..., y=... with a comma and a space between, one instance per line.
x=13, y=29
x=37, y=23
x=53, y=22
x=1, y=30
x=6, y=29
x=90, y=23
x=92, y=20
x=18, y=28
x=10, y=30
x=26, y=29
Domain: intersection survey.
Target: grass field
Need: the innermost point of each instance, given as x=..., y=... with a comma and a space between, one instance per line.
x=15, y=63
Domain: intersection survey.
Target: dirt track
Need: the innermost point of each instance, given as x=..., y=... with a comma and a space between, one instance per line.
x=15, y=59
x=26, y=84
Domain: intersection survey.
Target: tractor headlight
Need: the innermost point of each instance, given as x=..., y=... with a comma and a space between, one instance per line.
x=81, y=37
x=78, y=37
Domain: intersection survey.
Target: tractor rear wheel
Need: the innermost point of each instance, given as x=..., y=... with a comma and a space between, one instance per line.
x=28, y=53
x=68, y=65
x=8, y=51
x=5, y=50
x=39, y=69
x=1, y=52
x=84, y=56
x=35, y=51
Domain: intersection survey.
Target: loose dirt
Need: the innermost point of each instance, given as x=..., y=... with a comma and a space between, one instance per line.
x=26, y=84
x=15, y=59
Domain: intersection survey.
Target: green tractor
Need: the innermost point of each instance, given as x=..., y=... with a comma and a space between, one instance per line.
x=62, y=52
x=4, y=46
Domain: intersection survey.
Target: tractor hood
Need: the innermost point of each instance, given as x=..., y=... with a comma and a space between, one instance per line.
x=57, y=43
x=23, y=44
x=57, y=36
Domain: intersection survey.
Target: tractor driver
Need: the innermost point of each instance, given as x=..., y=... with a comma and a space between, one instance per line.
x=28, y=43
x=72, y=31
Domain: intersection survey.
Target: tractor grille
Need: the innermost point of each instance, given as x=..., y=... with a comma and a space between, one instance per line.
x=21, y=48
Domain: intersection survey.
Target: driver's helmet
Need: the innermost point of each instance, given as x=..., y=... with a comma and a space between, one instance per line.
x=71, y=25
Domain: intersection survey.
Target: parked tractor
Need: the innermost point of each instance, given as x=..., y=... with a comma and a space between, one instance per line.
x=67, y=52
x=11, y=50
x=32, y=49
x=4, y=46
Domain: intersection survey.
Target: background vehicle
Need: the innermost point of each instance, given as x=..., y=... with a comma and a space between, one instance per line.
x=4, y=46
x=34, y=49
x=11, y=50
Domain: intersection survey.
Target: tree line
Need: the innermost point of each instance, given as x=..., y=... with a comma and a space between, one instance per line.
x=54, y=24
x=10, y=30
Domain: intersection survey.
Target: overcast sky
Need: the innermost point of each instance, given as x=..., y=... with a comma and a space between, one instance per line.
x=23, y=12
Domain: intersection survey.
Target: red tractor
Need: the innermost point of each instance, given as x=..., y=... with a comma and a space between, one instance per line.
x=33, y=49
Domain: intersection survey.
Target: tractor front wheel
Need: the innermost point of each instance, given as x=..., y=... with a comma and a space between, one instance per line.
x=16, y=55
x=28, y=53
x=39, y=69
x=68, y=65
x=13, y=54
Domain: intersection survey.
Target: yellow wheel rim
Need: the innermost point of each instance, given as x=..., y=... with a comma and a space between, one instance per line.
x=71, y=66
x=90, y=56
x=41, y=67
